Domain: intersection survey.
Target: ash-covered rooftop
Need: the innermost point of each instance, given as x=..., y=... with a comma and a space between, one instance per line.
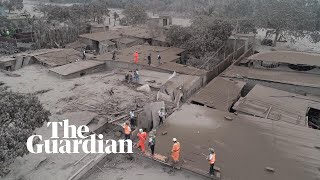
x=244, y=146
x=290, y=57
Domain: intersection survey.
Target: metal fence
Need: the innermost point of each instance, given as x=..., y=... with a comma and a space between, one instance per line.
x=234, y=57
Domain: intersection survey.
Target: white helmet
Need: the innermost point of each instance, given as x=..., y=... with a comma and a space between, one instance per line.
x=140, y=130
x=174, y=139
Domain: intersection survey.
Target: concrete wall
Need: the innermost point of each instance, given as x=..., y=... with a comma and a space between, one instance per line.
x=8, y=64
x=99, y=29
x=159, y=43
x=138, y=41
x=105, y=47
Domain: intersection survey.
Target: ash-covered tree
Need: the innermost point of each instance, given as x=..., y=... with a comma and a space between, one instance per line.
x=20, y=115
x=240, y=14
x=134, y=14
x=206, y=34
x=291, y=17
x=178, y=36
x=13, y=4
x=115, y=17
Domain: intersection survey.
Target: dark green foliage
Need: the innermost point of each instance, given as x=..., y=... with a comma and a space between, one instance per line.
x=20, y=115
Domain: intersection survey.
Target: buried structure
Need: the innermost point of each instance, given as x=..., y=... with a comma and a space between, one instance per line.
x=246, y=147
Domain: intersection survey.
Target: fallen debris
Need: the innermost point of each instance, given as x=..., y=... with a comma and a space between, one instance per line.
x=10, y=74
x=74, y=86
x=41, y=163
x=144, y=88
x=270, y=169
x=164, y=132
x=41, y=91
x=228, y=118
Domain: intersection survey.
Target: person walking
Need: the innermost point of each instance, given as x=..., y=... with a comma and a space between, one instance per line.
x=152, y=143
x=159, y=58
x=149, y=59
x=162, y=115
x=132, y=118
x=136, y=57
x=127, y=130
x=175, y=151
x=142, y=139
x=83, y=55
x=212, y=160
x=113, y=55
x=136, y=75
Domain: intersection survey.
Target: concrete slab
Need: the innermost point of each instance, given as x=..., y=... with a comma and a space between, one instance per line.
x=257, y=143
x=77, y=68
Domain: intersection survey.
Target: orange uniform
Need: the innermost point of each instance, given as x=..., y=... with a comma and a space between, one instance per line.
x=212, y=158
x=175, y=152
x=127, y=129
x=142, y=139
x=136, y=57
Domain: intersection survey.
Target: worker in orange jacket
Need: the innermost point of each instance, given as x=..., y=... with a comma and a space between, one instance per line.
x=127, y=130
x=142, y=139
x=212, y=160
x=136, y=57
x=175, y=152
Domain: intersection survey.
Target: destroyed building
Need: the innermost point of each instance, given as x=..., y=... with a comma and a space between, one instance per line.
x=162, y=21
x=101, y=42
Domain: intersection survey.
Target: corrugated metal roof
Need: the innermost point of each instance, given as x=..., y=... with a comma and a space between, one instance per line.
x=220, y=93
x=291, y=57
x=295, y=78
x=275, y=104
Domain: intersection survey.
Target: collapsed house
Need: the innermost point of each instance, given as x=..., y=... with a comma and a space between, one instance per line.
x=101, y=42
x=294, y=72
x=162, y=21
x=108, y=41
x=277, y=105
x=264, y=145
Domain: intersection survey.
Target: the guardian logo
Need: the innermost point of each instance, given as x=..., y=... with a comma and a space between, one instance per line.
x=76, y=141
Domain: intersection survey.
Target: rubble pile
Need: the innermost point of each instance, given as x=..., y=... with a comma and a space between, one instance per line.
x=8, y=48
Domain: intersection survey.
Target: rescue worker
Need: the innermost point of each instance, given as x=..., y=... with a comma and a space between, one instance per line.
x=175, y=152
x=136, y=57
x=127, y=130
x=142, y=139
x=212, y=160
x=162, y=115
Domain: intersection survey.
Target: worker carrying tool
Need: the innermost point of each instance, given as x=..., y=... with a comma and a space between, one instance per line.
x=212, y=159
x=127, y=130
x=142, y=139
x=175, y=152
x=136, y=57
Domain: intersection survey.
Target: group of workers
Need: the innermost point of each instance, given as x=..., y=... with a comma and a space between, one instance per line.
x=175, y=150
x=136, y=58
